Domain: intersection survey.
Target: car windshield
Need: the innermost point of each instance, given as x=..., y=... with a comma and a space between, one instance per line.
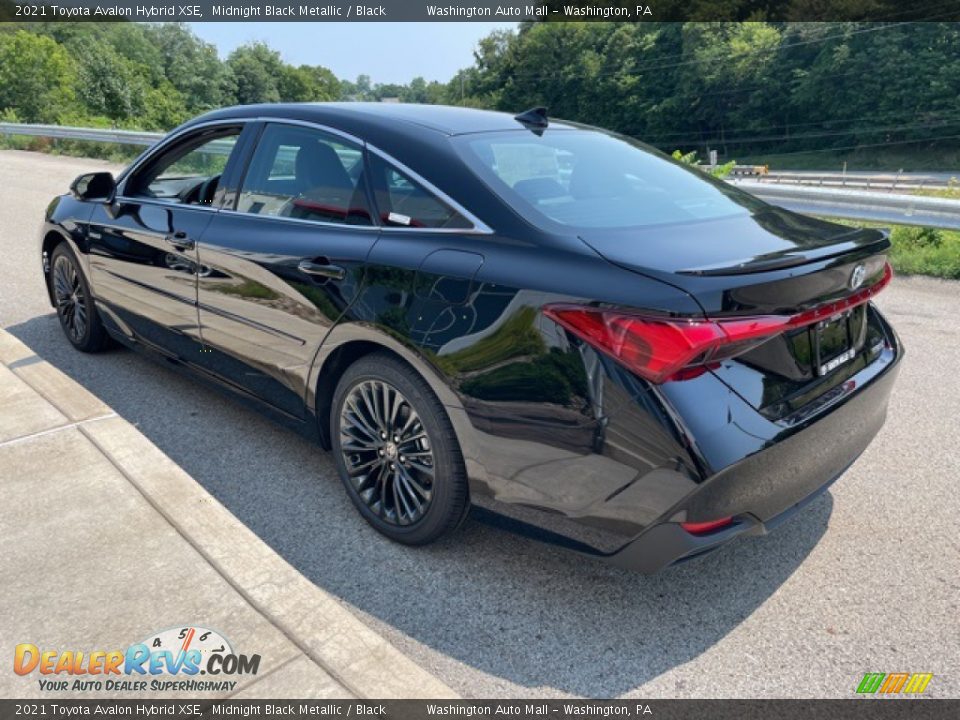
x=586, y=179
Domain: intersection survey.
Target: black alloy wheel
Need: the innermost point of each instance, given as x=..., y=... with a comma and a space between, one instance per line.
x=396, y=451
x=75, y=309
x=387, y=452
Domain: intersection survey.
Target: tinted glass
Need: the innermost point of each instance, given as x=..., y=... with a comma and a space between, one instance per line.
x=302, y=173
x=190, y=171
x=403, y=202
x=586, y=179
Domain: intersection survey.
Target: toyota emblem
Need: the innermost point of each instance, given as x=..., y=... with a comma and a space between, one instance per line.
x=857, y=276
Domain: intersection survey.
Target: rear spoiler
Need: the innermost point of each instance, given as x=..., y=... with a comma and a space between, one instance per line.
x=779, y=261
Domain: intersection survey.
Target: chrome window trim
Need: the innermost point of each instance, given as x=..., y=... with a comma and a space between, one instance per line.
x=479, y=227
x=315, y=126
x=300, y=221
x=482, y=230
x=125, y=200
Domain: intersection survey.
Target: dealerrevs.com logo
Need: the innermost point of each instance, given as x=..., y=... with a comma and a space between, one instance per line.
x=170, y=660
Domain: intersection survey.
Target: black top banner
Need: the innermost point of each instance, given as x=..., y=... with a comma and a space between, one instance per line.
x=480, y=11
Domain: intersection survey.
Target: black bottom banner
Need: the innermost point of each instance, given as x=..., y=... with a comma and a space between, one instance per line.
x=875, y=709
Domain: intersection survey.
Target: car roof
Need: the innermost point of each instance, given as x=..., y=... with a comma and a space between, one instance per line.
x=444, y=119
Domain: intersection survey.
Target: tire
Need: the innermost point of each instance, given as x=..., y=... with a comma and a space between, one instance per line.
x=75, y=308
x=385, y=478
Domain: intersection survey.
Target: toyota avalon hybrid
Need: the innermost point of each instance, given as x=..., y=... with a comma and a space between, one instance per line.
x=597, y=346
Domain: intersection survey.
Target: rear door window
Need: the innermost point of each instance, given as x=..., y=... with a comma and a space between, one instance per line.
x=403, y=202
x=306, y=174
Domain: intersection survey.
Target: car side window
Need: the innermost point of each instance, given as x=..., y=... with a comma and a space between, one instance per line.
x=403, y=202
x=306, y=174
x=188, y=172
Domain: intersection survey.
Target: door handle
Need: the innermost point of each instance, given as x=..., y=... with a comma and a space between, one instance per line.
x=180, y=241
x=333, y=272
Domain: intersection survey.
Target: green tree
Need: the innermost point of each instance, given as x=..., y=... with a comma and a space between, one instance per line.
x=109, y=84
x=360, y=90
x=729, y=74
x=165, y=108
x=37, y=78
x=258, y=71
x=308, y=83
x=193, y=67
x=746, y=88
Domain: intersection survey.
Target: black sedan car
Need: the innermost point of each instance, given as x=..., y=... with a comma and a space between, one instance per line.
x=595, y=345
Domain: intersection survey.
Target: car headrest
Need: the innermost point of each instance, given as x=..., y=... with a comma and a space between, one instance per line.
x=319, y=166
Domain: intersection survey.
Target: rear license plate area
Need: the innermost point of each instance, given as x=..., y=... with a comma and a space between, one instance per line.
x=836, y=340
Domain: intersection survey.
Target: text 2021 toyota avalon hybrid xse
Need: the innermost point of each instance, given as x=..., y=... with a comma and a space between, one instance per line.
x=607, y=349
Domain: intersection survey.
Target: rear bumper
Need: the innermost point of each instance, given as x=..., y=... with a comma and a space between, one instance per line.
x=772, y=485
x=669, y=544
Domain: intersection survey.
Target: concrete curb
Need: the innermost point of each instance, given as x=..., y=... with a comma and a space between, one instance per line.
x=312, y=619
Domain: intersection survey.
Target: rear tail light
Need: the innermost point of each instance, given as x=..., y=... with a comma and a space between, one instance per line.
x=660, y=349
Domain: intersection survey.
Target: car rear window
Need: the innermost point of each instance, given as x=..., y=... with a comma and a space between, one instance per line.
x=588, y=179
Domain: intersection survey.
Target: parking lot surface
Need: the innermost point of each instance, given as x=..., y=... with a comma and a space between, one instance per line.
x=867, y=579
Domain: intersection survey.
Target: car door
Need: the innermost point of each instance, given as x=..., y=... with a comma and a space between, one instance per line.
x=420, y=275
x=283, y=259
x=143, y=255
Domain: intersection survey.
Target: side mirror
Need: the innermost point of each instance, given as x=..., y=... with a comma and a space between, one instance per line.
x=94, y=186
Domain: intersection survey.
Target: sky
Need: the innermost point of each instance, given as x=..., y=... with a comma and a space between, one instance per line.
x=387, y=52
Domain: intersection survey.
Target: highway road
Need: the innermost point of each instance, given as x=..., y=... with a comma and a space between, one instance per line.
x=867, y=579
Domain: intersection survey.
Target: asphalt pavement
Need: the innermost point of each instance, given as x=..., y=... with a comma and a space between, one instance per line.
x=867, y=579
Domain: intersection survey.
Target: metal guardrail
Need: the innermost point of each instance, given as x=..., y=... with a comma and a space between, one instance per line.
x=111, y=136
x=803, y=193
x=889, y=181
x=898, y=209
x=104, y=135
